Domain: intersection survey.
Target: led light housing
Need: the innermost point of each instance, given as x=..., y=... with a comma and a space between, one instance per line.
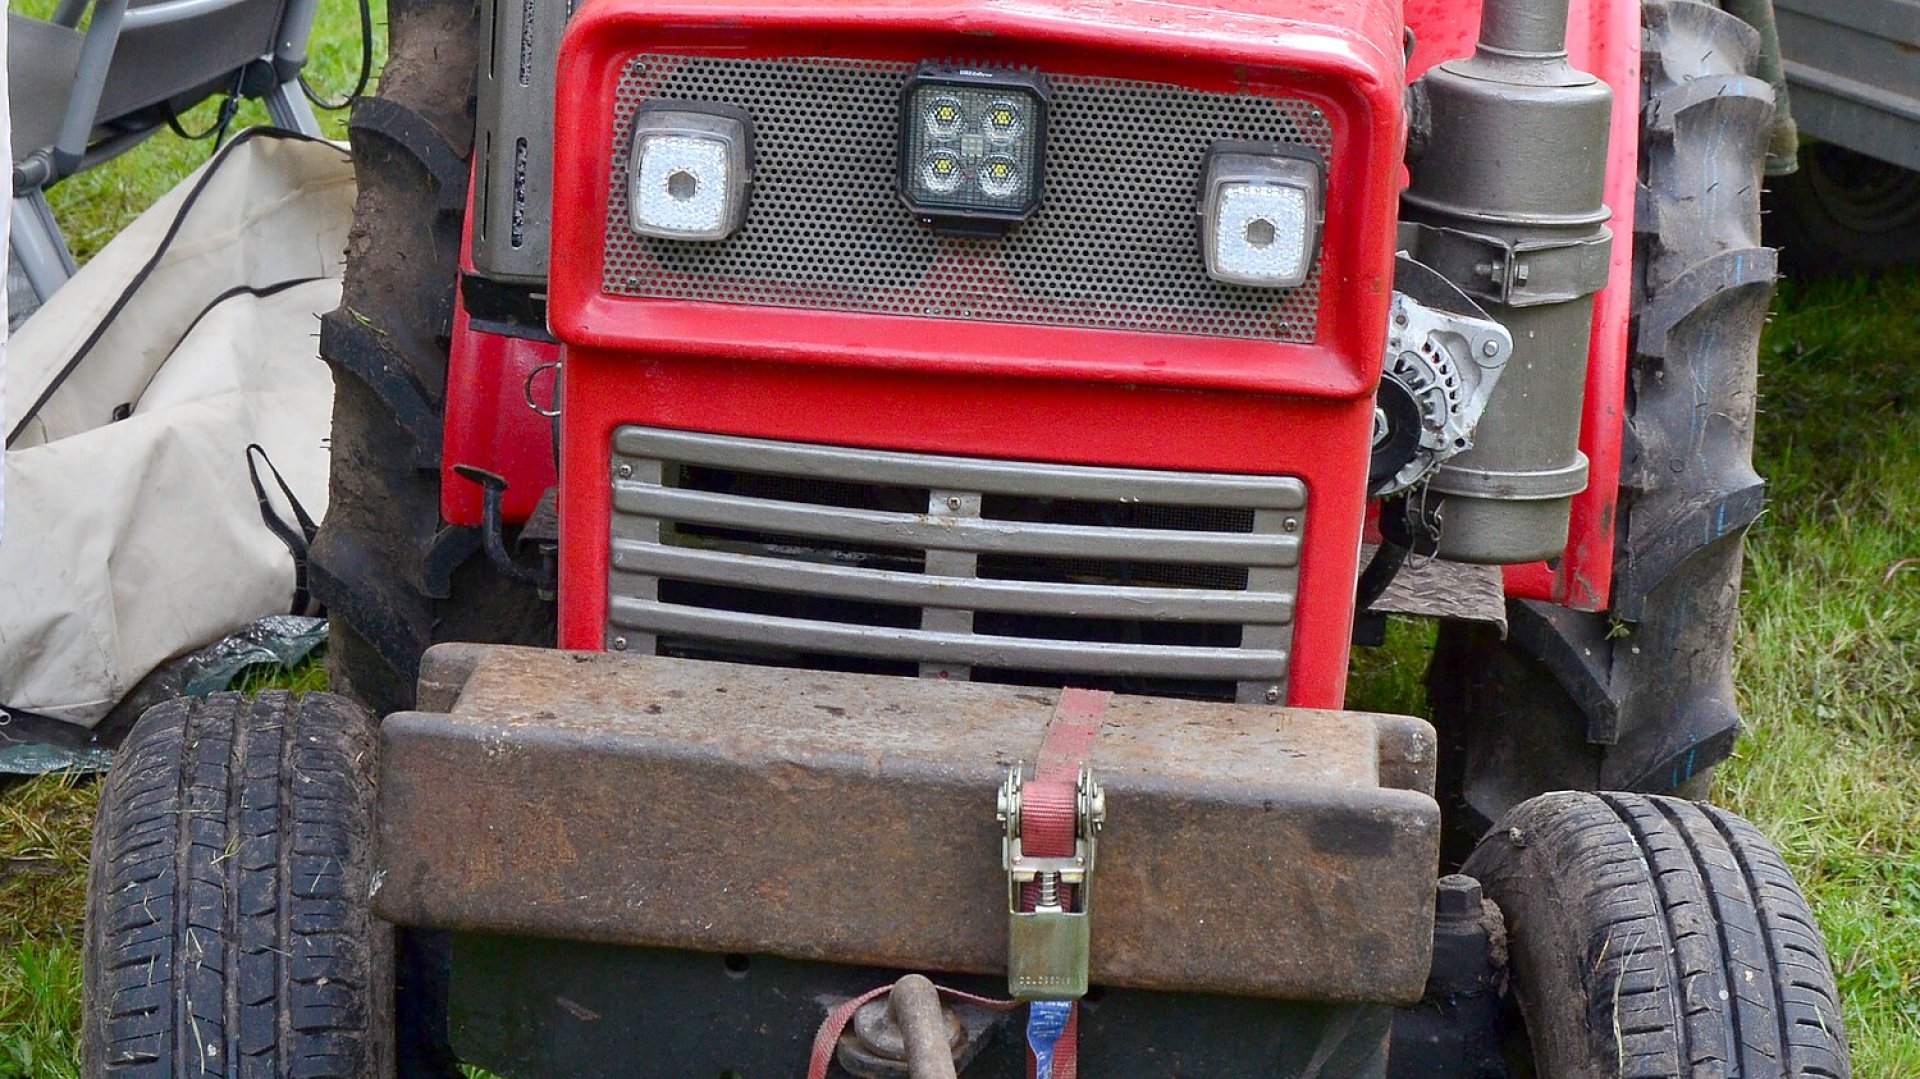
x=972, y=143
x=1260, y=213
x=689, y=170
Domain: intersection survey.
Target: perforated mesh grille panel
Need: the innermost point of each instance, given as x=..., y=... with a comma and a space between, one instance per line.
x=1115, y=243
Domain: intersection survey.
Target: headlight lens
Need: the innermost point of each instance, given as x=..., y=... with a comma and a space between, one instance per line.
x=1260, y=214
x=972, y=143
x=689, y=171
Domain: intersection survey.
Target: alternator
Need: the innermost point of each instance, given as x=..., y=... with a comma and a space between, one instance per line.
x=1441, y=366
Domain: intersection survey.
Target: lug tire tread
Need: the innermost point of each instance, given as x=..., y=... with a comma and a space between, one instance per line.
x=410, y=150
x=1703, y=284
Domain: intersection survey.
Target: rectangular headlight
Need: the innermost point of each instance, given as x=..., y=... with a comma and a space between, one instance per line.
x=1260, y=213
x=689, y=169
x=971, y=146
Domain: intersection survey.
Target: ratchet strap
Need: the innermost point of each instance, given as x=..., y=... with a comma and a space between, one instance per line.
x=1049, y=826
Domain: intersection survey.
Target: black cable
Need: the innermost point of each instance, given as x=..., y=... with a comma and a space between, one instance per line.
x=1386, y=562
x=1406, y=528
x=227, y=109
x=217, y=131
x=366, y=66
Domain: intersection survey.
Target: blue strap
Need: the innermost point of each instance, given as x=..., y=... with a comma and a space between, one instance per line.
x=1046, y=1021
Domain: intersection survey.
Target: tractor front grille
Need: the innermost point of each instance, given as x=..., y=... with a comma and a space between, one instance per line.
x=847, y=559
x=1114, y=244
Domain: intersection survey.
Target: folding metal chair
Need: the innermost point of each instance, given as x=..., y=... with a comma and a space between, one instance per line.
x=81, y=97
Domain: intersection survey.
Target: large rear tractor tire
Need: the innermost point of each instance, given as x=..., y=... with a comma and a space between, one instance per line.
x=394, y=577
x=1652, y=937
x=229, y=925
x=1640, y=697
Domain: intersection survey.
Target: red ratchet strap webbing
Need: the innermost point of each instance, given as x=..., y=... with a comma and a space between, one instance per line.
x=1049, y=824
x=1049, y=807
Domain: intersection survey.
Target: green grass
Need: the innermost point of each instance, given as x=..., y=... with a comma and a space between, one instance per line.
x=44, y=830
x=1829, y=667
x=1829, y=657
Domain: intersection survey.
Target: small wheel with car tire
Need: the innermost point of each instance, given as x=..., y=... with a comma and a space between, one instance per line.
x=1654, y=937
x=230, y=929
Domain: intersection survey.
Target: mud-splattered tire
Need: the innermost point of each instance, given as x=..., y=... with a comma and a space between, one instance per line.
x=229, y=930
x=1653, y=937
x=1641, y=697
x=394, y=577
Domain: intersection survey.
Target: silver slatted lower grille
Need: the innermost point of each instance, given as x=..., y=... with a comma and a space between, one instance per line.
x=797, y=554
x=1115, y=242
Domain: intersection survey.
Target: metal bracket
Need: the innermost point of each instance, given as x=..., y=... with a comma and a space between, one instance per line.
x=1523, y=273
x=492, y=530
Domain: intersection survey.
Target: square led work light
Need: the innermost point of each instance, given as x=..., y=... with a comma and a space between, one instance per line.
x=1260, y=213
x=972, y=142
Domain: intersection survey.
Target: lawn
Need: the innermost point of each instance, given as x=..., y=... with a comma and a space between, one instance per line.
x=1829, y=657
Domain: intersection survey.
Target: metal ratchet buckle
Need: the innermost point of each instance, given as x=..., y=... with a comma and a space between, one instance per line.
x=1047, y=947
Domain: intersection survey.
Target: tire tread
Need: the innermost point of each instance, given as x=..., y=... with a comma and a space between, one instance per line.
x=1723, y=978
x=204, y=954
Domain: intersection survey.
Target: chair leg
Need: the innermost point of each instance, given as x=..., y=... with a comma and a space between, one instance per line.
x=289, y=109
x=38, y=248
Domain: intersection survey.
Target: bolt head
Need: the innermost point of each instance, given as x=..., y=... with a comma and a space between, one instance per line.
x=1272, y=695
x=1457, y=897
x=619, y=644
x=624, y=471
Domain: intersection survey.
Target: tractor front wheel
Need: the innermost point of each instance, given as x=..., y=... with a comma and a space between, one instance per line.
x=229, y=924
x=1650, y=936
x=394, y=576
x=1640, y=696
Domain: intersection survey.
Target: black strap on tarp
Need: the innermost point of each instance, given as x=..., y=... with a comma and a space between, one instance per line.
x=18, y=726
x=297, y=542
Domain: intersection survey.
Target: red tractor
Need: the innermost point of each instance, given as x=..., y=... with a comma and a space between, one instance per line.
x=948, y=440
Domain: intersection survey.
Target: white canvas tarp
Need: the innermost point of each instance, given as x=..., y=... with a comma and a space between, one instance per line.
x=133, y=532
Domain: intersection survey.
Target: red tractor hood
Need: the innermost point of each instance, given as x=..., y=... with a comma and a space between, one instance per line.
x=1347, y=58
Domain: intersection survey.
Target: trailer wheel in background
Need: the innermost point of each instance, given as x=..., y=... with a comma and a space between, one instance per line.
x=1844, y=211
